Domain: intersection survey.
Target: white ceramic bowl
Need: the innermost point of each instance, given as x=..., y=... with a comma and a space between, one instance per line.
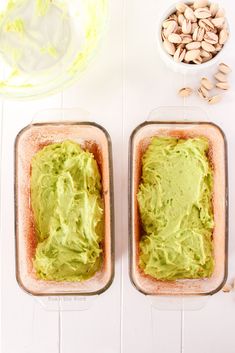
x=180, y=66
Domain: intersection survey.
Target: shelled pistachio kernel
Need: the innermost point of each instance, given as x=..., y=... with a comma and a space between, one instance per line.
x=185, y=92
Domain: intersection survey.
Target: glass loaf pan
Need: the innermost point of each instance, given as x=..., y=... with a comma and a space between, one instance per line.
x=29, y=140
x=139, y=141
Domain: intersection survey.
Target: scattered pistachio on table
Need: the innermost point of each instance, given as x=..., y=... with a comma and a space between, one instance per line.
x=198, y=28
x=205, y=82
x=222, y=85
x=207, y=86
x=219, y=76
x=225, y=69
x=214, y=99
x=185, y=92
x=203, y=93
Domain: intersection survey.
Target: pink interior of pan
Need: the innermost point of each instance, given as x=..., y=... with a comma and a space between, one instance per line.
x=29, y=141
x=217, y=156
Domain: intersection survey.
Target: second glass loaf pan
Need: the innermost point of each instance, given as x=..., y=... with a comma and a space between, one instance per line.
x=29, y=141
x=139, y=141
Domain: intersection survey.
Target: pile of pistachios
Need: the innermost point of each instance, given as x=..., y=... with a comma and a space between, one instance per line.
x=194, y=33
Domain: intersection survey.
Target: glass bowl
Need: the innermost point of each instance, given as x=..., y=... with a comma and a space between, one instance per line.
x=46, y=45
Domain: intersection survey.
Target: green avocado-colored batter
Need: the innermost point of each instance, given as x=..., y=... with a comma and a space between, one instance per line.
x=175, y=203
x=68, y=212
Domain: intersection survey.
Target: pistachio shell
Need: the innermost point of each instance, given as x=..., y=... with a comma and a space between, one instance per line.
x=181, y=19
x=195, y=33
x=205, y=82
x=207, y=46
x=227, y=288
x=205, y=54
x=174, y=38
x=181, y=7
x=167, y=22
x=206, y=24
x=220, y=13
x=185, y=92
x=214, y=99
x=214, y=8
x=186, y=38
x=200, y=35
x=163, y=34
x=171, y=28
x=189, y=14
x=186, y=26
x=218, y=22
x=198, y=61
x=193, y=45
x=179, y=54
x=219, y=76
x=218, y=47
x=205, y=59
x=225, y=69
x=192, y=55
x=223, y=36
x=193, y=27
x=211, y=38
x=222, y=85
x=169, y=47
x=202, y=93
x=200, y=3
x=202, y=12
x=173, y=17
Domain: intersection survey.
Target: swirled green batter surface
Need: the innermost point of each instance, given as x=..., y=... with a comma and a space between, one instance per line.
x=68, y=212
x=175, y=204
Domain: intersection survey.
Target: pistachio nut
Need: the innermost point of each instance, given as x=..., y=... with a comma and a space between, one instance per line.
x=214, y=99
x=205, y=82
x=169, y=47
x=222, y=85
x=225, y=69
x=192, y=55
x=221, y=77
x=185, y=91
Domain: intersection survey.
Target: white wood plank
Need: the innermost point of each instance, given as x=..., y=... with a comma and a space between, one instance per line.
x=99, y=91
x=96, y=329
x=212, y=328
x=147, y=86
x=26, y=326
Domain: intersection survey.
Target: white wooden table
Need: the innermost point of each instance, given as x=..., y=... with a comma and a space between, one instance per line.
x=125, y=82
